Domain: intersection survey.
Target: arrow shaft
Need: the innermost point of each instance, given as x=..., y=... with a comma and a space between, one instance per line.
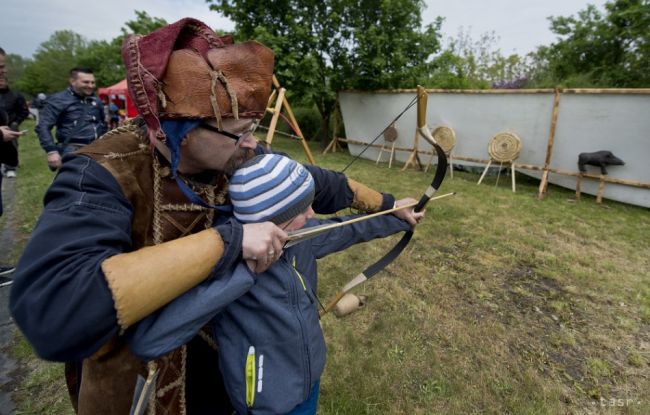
x=308, y=233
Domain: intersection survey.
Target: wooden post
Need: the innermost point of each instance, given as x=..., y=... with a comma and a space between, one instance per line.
x=279, y=104
x=334, y=144
x=549, y=148
x=381, y=151
x=451, y=165
x=274, y=120
x=292, y=117
x=512, y=167
x=271, y=99
x=578, y=185
x=484, y=172
x=601, y=190
x=414, y=157
x=383, y=148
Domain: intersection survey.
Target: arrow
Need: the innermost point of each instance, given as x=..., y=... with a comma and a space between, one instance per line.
x=304, y=234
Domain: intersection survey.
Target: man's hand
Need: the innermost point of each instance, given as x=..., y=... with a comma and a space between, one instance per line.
x=407, y=214
x=262, y=245
x=54, y=160
x=8, y=134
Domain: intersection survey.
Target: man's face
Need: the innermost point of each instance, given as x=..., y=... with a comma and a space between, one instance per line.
x=83, y=84
x=3, y=66
x=205, y=149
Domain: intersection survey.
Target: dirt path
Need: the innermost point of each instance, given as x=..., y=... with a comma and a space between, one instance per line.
x=7, y=239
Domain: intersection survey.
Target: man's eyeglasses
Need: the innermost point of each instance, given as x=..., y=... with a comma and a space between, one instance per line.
x=235, y=137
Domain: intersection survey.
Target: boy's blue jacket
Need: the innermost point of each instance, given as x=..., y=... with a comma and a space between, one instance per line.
x=271, y=346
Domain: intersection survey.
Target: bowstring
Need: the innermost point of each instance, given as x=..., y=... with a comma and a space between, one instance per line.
x=413, y=102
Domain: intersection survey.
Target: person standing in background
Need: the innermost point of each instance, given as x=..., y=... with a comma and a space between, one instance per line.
x=6, y=134
x=15, y=107
x=77, y=114
x=37, y=105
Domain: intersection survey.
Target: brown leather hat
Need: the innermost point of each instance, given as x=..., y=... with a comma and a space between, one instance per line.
x=184, y=70
x=234, y=81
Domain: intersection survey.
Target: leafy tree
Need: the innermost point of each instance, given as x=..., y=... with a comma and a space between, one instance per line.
x=105, y=60
x=54, y=58
x=15, y=67
x=48, y=71
x=595, y=49
x=142, y=24
x=105, y=56
x=325, y=46
x=469, y=63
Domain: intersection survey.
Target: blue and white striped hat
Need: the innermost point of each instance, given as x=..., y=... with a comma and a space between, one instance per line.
x=270, y=187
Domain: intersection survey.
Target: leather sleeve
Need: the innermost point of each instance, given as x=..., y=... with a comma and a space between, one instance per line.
x=142, y=281
x=335, y=191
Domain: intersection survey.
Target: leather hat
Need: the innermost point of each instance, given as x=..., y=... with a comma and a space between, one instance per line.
x=185, y=71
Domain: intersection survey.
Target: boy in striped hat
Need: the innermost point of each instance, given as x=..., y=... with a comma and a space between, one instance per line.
x=271, y=346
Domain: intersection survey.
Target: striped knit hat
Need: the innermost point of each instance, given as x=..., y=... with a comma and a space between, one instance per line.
x=270, y=187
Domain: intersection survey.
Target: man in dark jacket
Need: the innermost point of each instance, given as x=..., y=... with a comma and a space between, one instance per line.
x=7, y=135
x=77, y=114
x=13, y=104
x=139, y=217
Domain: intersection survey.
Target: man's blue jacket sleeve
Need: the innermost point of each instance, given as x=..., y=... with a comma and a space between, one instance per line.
x=86, y=220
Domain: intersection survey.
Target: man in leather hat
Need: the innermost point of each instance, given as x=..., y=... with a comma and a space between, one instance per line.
x=142, y=215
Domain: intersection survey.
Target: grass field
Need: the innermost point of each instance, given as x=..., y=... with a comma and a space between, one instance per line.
x=502, y=304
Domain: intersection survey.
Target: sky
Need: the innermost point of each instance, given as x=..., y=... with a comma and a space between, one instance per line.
x=520, y=25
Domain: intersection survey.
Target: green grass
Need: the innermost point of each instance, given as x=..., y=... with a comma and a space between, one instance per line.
x=501, y=304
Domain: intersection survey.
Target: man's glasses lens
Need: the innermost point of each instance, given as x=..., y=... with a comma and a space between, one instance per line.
x=235, y=137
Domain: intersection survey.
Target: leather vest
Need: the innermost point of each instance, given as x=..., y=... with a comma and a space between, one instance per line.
x=160, y=213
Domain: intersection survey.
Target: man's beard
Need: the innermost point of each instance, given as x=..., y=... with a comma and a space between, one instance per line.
x=239, y=157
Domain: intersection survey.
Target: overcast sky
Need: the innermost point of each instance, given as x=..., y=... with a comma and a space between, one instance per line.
x=521, y=25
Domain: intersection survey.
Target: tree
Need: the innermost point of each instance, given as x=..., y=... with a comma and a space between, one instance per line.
x=469, y=63
x=16, y=65
x=325, y=46
x=142, y=24
x=105, y=56
x=598, y=50
x=54, y=58
x=49, y=69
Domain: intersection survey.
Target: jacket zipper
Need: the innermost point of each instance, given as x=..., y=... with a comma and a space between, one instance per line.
x=300, y=318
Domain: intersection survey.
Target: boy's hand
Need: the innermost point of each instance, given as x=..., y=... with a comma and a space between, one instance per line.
x=408, y=215
x=262, y=245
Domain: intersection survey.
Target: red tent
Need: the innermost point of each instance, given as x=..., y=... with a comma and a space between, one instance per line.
x=119, y=94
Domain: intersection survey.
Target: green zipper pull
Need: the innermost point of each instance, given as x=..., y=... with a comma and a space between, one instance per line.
x=250, y=377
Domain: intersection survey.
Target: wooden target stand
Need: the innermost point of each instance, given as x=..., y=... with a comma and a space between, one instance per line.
x=390, y=137
x=446, y=139
x=414, y=157
x=334, y=145
x=278, y=95
x=503, y=148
